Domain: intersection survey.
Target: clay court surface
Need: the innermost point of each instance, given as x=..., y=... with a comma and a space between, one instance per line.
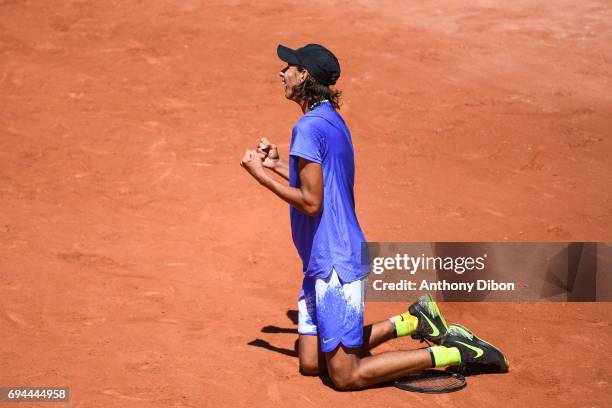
x=142, y=267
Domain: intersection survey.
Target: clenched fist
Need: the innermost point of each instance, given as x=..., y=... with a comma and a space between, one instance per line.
x=251, y=162
x=268, y=153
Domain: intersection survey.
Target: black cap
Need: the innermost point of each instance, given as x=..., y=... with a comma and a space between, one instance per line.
x=318, y=60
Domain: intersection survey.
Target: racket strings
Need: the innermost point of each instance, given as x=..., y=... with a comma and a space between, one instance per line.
x=432, y=381
x=437, y=383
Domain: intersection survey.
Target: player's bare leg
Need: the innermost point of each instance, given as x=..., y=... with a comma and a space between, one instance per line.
x=348, y=371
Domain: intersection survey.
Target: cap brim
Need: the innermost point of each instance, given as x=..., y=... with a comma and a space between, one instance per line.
x=288, y=55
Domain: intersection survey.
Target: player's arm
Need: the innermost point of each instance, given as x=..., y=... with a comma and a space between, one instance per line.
x=308, y=198
x=281, y=168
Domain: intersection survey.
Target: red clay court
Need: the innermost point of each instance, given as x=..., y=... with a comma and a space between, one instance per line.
x=139, y=263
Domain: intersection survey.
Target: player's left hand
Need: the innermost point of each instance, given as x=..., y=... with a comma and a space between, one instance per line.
x=251, y=161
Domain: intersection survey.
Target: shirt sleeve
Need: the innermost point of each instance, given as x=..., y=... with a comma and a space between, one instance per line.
x=307, y=143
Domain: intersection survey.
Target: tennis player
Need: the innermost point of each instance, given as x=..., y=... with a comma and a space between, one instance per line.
x=321, y=175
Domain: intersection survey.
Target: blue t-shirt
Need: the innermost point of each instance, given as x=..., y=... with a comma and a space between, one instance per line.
x=333, y=238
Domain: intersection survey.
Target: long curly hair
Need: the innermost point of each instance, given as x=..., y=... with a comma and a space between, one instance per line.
x=313, y=91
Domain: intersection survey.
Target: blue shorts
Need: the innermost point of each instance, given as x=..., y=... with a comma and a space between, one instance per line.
x=333, y=310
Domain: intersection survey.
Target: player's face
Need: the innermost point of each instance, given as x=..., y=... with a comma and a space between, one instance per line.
x=291, y=77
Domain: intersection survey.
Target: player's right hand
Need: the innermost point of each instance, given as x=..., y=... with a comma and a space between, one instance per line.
x=268, y=153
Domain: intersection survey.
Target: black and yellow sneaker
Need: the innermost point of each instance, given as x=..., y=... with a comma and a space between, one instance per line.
x=477, y=355
x=432, y=326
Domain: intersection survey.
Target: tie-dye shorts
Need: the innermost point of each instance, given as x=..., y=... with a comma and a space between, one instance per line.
x=333, y=310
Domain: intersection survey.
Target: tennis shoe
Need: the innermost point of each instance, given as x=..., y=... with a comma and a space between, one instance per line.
x=477, y=355
x=432, y=326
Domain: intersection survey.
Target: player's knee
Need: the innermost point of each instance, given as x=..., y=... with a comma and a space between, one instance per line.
x=309, y=370
x=347, y=382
